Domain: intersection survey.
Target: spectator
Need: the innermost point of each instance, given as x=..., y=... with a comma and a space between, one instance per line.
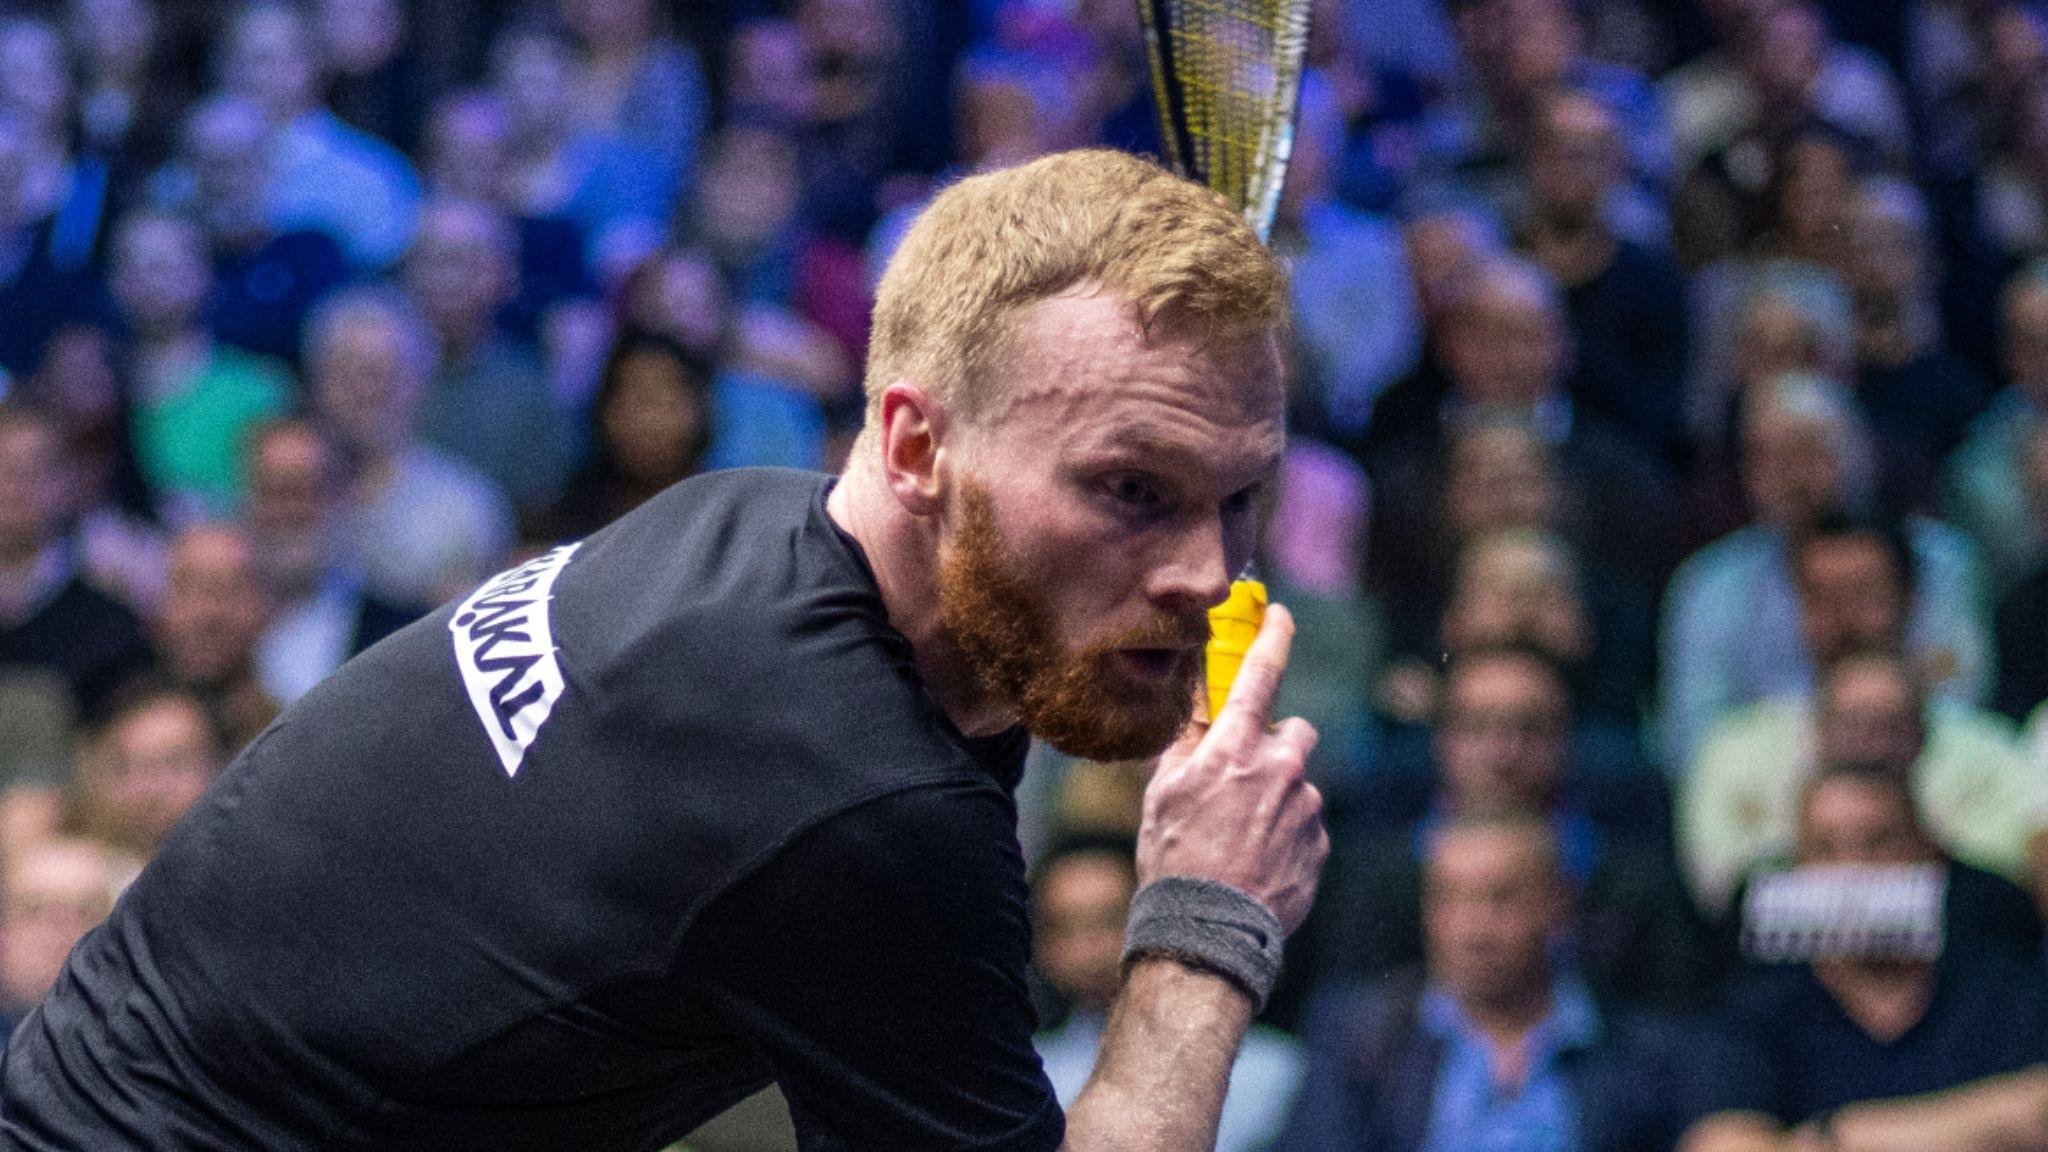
x=639, y=84
x=425, y=524
x=1355, y=313
x=769, y=76
x=324, y=615
x=1864, y=814
x=1514, y=52
x=1918, y=398
x=194, y=395
x=215, y=609
x=52, y=892
x=1503, y=744
x=557, y=169
x=1984, y=802
x=68, y=189
x=651, y=425
x=111, y=512
x=264, y=280
x=40, y=288
x=128, y=97
x=1986, y=493
x=49, y=617
x=1731, y=631
x=1839, y=1032
x=1507, y=353
x=1625, y=299
x=144, y=767
x=376, y=81
x=468, y=157
x=1080, y=898
x=326, y=175
x=2022, y=625
x=1497, y=1042
x=488, y=403
x=759, y=418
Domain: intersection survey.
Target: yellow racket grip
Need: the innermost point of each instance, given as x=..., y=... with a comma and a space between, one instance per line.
x=1233, y=625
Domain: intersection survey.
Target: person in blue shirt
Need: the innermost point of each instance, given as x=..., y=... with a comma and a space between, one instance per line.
x=1496, y=1044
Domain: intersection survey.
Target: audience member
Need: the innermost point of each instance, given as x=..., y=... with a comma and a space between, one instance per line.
x=323, y=614
x=1497, y=1042
x=144, y=767
x=1731, y=626
x=376, y=81
x=326, y=175
x=1984, y=802
x=194, y=396
x=488, y=403
x=1919, y=399
x=39, y=292
x=1625, y=299
x=1843, y=1030
x=50, y=618
x=1080, y=897
x=1986, y=493
x=1507, y=353
x=215, y=609
x=1503, y=744
x=52, y=892
x=128, y=97
x=426, y=526
x=651, y=424
x=639, y=84
x=2022, y=624
x=264, y=279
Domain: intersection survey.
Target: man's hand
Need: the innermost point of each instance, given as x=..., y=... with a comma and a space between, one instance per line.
x=1230, y=801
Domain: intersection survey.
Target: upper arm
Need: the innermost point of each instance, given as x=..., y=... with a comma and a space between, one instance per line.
x=878, y=963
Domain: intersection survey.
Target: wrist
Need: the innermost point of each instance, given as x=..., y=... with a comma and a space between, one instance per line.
x=1210, y=927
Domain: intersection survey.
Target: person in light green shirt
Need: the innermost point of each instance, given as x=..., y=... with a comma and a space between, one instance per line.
x=1985, y=801
x=195, y=398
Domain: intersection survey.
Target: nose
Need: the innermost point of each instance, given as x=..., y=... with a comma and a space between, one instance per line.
x=1196, y=573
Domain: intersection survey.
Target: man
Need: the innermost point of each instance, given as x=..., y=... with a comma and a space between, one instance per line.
x=51, y=620
x=1986, y=492
x=426, y=525
x=145, y=767
x=488, y=403
x=1983, y=800
x=1502, y=740
x=215, y=610
x=720, y=796
x=1081, y=900
x=1842, y=1036
x=52, y=892
x=1497, y=1043
x=324, y=615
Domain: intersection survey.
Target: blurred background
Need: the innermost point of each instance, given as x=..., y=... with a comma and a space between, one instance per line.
x=1667, y=502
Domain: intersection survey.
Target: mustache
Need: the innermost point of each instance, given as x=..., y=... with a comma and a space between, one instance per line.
x=1185, y=631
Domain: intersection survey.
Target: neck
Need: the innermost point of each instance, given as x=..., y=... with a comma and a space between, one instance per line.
x=1884, y=997
x=902, y=548
x=1508, y=1016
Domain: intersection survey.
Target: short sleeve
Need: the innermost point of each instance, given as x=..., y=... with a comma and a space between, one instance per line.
x=878, y=964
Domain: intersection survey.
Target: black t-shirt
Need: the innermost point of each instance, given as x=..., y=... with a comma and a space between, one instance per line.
x=578, y=862
x=1988, y=1016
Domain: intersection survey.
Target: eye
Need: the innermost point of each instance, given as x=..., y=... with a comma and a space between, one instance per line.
x=1242, y=499
x=1136, y=490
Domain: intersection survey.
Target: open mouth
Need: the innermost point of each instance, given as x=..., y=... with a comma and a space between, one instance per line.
x=1152, y=664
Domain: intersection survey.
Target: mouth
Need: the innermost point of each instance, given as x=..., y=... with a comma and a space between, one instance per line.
x=1151, y=665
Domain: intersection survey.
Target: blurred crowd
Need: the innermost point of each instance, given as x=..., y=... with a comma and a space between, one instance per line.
x=1666, y=507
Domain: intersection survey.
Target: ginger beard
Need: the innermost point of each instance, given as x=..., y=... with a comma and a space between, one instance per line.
x=1080, y=702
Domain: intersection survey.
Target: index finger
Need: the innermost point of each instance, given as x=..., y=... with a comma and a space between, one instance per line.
x=1243, y=719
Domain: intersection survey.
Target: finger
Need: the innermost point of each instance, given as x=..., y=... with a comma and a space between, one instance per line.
x=1297, y=735
x=1243, y=719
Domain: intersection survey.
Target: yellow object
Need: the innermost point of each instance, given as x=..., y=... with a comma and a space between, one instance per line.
x=1233, y=625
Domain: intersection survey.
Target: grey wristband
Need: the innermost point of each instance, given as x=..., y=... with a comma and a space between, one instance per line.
x=1208, y=925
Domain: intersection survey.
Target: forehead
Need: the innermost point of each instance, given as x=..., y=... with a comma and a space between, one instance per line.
x=1081, y=370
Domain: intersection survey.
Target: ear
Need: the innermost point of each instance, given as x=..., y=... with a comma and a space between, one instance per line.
x=913, y=427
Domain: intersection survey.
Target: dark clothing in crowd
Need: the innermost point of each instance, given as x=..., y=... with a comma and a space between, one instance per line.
x=261, y=295
x=38, y=296
x=1630, y=332
x=2022, y=636
x=1988, y=1016
x=631, y=850
x=1919, y=412
x=1633, y=1081
x=87, y=638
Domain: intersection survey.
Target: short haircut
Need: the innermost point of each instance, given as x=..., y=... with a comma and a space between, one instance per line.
x=377, y=303
x=1518, y=652
x=1527, y=824
x=1866, y=774
x=1846, y=524
x=996, y=243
